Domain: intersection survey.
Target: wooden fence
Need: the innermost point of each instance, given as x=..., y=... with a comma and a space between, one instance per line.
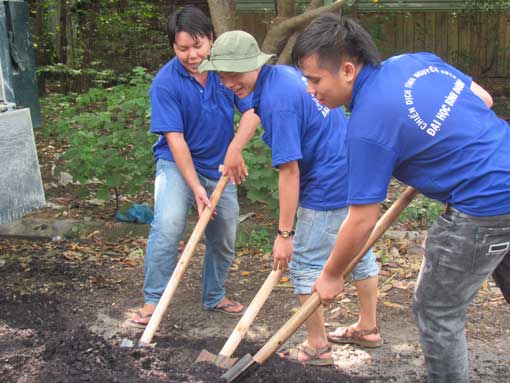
x=476, y=42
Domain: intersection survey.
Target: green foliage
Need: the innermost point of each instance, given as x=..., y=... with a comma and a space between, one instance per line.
x=421, y=212
x=262, y=182
x=98, y=78
x=107, y=134
x=259, y=239
x=486, y=5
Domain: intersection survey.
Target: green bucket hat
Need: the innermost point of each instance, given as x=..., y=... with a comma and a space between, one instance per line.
x=234, y=51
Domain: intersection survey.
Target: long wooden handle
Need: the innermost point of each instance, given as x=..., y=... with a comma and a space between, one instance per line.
x=184, y=259
x=314, y=301
x=383, y=224
x=249, y=315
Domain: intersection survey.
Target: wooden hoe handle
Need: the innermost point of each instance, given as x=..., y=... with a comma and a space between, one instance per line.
x=184, y=259
x=309, y=307
x=249, y=315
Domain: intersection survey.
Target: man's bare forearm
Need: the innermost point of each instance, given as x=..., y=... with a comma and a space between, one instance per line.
x=288, y=188
x=182, y=157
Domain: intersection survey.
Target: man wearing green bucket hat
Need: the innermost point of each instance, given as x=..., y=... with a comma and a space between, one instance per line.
x=308, y=148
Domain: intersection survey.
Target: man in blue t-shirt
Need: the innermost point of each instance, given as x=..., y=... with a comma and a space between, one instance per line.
x=307, y=143
x=193, y=114
x=429, y=125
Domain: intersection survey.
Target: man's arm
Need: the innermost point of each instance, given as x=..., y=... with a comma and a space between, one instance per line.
x=352, y=236
x=482, y=93
x=288, y=188
x=182, y=157
x=233, y=164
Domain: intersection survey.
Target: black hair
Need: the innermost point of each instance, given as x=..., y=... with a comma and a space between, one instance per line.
x=334, y=38
x=191, y=20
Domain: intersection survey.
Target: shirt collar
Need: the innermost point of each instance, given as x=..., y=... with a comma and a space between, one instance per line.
x=365, y=73
x=180, y=69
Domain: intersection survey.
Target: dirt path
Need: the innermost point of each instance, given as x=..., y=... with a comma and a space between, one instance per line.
x=64, y=306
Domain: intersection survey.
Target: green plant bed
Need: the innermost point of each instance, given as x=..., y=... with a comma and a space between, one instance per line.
x=107, y=135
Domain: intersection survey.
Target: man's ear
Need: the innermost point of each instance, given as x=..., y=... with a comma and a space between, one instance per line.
x=348, y=70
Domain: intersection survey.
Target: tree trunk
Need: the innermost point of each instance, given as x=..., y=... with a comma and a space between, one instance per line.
x=285, y=55
x=54, y=28
x=285, y=8
x=280, y=33
x=223, y=15
x=71, y=35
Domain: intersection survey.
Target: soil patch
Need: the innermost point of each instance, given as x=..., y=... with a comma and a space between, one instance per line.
x=62, y=320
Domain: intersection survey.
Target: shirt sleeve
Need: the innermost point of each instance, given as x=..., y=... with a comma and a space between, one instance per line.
x=166, y=115
x=285, y=137
x=370, y=169
x=244, y=104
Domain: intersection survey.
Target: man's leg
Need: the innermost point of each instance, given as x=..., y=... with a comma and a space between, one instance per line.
x=220, y=249
x=316, y=338
x=315, y=238
x=172, y=200
x=460, y=254
x=367, y=296
x=365, y=331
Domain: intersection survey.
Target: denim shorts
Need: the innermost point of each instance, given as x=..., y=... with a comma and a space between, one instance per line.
x=316, y=233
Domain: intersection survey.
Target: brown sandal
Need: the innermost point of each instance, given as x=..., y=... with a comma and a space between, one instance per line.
x=348, y=335
x=313, y=355
x=225, y=309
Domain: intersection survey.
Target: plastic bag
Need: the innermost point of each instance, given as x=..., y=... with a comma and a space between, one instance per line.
x=137, y=213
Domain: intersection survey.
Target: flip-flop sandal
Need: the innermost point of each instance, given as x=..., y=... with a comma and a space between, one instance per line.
x=348, y=335
x=314, y=356
x=223, y=309
x=139, y=324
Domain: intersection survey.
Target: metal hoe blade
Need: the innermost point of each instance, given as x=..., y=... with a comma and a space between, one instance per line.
x=244, y=367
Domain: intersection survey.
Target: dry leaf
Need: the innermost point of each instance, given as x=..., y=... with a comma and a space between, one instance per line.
x=284, y=279
x=72, y=255
x=93, y=234
x=242, y=252
x=132, y=261
x=394, y=305
x=245, y=273
x=401, y=285
x=138, y=253
x=386, y=287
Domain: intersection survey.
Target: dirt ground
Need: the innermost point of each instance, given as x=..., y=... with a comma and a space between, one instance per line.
x=64, y=306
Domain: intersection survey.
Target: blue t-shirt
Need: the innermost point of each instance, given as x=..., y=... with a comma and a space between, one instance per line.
x=416, y=118
x=205, y=116
x=297, y=127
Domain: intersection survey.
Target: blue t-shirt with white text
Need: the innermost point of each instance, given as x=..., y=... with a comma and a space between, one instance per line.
x=297, y=127
x=416, y=118
x=205, y=116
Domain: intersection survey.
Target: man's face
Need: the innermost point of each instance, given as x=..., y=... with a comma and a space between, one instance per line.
x=190, y=52
x=242, y=84
x=330, y=88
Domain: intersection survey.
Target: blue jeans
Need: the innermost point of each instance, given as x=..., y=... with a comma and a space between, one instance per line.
x=173, y=200
x=316, y=233
x=460, y=253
